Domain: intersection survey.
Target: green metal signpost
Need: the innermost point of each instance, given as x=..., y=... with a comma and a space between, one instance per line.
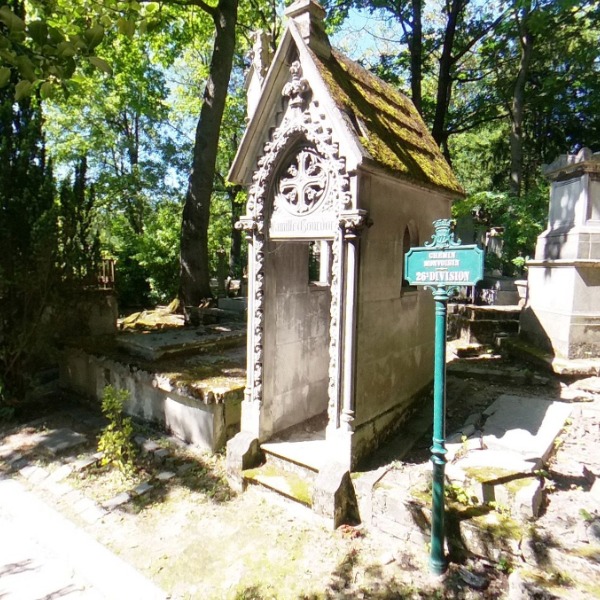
x=441, y=265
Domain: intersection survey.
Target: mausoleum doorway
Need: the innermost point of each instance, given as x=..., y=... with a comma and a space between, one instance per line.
x=296, y=333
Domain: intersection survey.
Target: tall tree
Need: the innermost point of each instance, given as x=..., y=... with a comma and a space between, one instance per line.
x=440, y=51
x=194, y=275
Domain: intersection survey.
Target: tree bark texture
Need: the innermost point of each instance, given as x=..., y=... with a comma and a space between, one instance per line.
x=445, y=73
x=518, y=102
x=194, y=286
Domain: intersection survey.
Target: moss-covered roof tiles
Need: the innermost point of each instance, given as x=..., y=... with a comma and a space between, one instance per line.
x=387, y=124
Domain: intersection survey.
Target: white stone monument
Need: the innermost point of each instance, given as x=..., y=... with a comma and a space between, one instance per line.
x=562, y=314
x=343, y=178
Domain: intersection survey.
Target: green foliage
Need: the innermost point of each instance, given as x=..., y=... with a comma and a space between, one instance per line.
x=457, y=493
x=116, y=440
x=158, y=251
x=147, y=263
x=522, y=218
x=29, y=254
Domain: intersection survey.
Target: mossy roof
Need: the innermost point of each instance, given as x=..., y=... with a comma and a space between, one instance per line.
x=387, y=124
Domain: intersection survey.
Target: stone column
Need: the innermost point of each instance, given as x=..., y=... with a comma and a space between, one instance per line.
x=250, y=407
x=351, y=223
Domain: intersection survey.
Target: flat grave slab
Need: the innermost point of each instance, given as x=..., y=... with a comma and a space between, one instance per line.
x=56, y=441
x=526, y=425
x=161, y=344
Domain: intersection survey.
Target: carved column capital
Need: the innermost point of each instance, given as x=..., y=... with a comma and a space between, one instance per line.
x=353, y=222
x=249, y=225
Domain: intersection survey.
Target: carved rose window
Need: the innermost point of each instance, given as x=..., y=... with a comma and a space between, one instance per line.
x=302, y=184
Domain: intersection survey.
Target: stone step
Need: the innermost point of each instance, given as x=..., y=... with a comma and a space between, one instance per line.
x=472, y=312
x=484, y=331
x=277, y=458
x=285, y=483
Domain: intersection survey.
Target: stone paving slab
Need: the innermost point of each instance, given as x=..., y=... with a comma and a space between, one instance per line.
x=60, y=440
x=47, y=556
x=590, y=384
x=524, y=424
x=119, y=500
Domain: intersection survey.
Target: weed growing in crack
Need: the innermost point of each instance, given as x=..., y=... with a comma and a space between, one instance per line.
x=116, y=440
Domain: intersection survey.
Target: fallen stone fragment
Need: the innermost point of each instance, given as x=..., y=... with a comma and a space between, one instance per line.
x=528, y=500
x=150, y=446
x=165, y=476
x=185, y=468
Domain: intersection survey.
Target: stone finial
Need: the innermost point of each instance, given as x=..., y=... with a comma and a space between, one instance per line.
x=261, y=53
x=308, y=15
x=261, y=56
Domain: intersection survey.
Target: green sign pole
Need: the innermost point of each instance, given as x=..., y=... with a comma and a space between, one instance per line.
x=437, y=560
x=441, y=265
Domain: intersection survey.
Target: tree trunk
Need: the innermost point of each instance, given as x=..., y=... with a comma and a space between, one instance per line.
x=194, y=284
x=445, y=73
x=518, y=102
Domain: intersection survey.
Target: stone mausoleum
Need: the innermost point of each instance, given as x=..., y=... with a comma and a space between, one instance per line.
x=562, y=314
x=343, y=178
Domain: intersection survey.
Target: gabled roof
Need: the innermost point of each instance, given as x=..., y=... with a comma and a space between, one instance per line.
x=381, y=127
x=387, y=124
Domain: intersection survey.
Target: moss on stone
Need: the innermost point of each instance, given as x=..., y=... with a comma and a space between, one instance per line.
x=485, y=474
x=499, y=526
x=590, y=552
x=295, y=486
x=387, y=124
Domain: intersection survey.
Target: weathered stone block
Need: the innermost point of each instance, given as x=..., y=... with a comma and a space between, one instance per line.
x=334, y=496
x=243, y=452
x=528, y=500
x=364, y=492
x=491, y=535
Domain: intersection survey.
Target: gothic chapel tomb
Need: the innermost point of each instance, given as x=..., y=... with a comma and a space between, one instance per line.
x=343, y=179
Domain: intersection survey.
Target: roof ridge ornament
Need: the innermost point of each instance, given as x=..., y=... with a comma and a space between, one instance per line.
x=308, y=16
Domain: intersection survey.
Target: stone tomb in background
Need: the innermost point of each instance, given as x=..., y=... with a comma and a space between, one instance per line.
x=562, y=314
